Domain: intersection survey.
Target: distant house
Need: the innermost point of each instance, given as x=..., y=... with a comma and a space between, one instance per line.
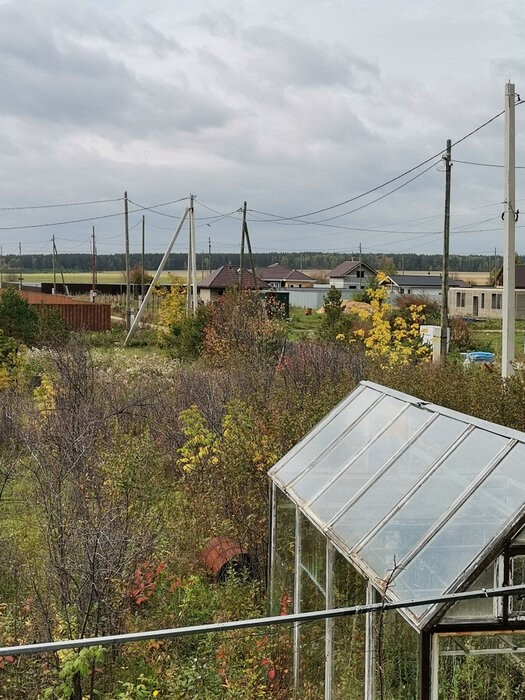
x=520, y=277
x=351, y=274
x=277, y=275
x=419, y=285
x=226, y=277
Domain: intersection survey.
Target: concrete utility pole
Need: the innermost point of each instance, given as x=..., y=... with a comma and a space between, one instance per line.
x=446, y=239
x=128, y=285
x=93, y=266
x=509, y=245
x=142, y=257
x=193, y=257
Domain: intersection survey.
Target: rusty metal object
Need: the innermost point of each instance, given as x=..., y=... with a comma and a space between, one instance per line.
x=221, y=555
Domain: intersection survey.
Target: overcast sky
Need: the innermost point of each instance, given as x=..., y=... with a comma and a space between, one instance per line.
x=293, y=106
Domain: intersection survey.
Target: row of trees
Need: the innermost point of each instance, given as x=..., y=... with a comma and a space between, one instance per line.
x=81, y=262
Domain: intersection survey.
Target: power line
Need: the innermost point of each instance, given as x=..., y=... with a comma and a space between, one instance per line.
x=439, y=154
x=486, y=165
x=52, y=206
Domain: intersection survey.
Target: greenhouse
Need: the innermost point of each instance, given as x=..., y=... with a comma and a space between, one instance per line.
x=390, y=498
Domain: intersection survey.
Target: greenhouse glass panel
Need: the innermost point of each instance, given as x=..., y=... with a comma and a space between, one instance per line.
x=431, y=500
x=368, y=463
x=343, y=451
x=476, y=523
x=323, y=435
x=477, y=608
x=376, y=502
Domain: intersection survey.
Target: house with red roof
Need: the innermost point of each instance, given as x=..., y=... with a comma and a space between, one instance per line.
x=277, y=275
x=227, y=277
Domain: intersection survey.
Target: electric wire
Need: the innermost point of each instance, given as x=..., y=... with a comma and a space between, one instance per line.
x=485, y=165
x=439, y=154
x=70, y=204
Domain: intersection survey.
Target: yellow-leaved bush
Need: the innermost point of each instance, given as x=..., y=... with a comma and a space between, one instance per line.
x=389, y=338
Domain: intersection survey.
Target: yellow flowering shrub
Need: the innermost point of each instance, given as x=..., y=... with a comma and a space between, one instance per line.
x=387, y=338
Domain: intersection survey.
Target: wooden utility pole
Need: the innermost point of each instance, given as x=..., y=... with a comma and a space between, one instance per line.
x=446, y=242
x=209, y=253
x=54, y=266
x=20, y=278
x=509, y=245
x=241, y=257
x=128, y=281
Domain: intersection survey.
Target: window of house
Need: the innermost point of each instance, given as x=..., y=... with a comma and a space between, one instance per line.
x=360, y=273
x=496, y=301
x=482, y=300
x=461, y=298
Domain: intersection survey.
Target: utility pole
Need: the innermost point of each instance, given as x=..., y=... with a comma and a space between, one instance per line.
x=142, y=257
x=20, y=277
x=241, y=257
x=1, y=267
x=209, y=253
x=54, y=267
x=193, y=257
x=93, y=266
x=509, y=245
x=128, y=285
x=446, y=241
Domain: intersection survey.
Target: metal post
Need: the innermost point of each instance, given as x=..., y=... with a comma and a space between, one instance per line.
x=329, y=624
x=425, y=654
x=446, y=239
x=434, y=667
x=370, y=645
x=297, y=602
x=509, y=246
x=273, y=544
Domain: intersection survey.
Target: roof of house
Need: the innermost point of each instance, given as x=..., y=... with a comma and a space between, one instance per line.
x=280, y=273
x=348, y=266
x=423, y=281
x=520, y=277
x=420, y=498
x=228, y=276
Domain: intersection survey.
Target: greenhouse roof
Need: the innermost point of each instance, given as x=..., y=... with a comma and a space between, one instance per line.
x=420, y=498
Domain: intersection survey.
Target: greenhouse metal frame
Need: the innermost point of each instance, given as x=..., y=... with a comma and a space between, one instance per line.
x=423, y=501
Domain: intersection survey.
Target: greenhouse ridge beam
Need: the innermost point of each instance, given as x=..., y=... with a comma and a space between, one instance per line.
x=108, y=640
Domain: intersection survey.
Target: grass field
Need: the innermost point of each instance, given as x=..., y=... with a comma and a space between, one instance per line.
x=102, y=277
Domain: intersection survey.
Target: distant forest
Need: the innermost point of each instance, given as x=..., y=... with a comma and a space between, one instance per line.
x=81, y=262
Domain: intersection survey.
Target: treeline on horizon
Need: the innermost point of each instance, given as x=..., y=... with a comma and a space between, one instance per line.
x=82, y=262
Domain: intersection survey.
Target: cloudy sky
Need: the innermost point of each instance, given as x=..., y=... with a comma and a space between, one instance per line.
x=293, y=106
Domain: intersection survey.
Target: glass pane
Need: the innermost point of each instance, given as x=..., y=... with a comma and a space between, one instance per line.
x=283, y=574
x=345, y=449
x=313, y=567
x=323, y=435
x=435, y=496
x=349, y=632
x=518, y=579
x=363, y=469
x=468, y=531
x=401, y=476
x=478, y=608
